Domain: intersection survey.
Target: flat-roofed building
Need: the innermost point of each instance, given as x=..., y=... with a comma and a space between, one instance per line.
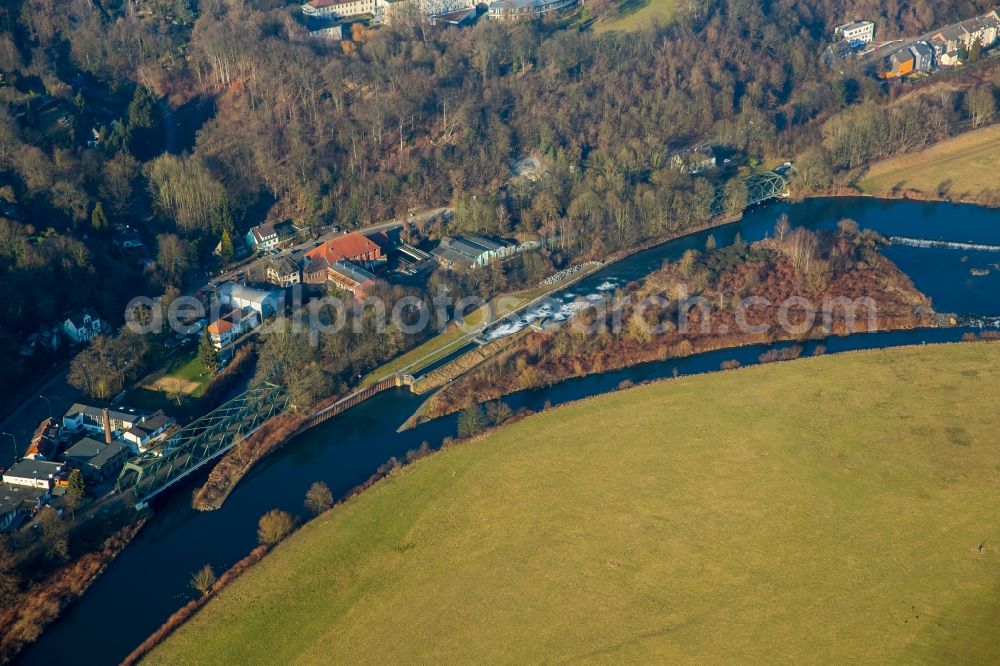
x=340, y=8
x=96, y=460
x=857, y=32
x=525, y=10
x=284, y=271
x=466, y=251
x=262, y=301
x=90, y=417
x=33, y=474
x=352, y=278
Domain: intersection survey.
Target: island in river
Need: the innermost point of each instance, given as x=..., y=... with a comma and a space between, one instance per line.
x=798, y=284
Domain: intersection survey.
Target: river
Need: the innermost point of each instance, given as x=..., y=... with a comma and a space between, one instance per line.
x=150, y=579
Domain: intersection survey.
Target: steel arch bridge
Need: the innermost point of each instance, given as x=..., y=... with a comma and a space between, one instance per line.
x=760, y=188
x=200, y=442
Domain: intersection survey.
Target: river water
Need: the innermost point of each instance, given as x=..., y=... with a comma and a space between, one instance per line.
x=149, y=580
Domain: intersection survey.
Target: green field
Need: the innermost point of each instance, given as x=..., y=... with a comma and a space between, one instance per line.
x=823, y=510
x=184, y=378
x=451, y=339
x=639, y=14
x=961, y=166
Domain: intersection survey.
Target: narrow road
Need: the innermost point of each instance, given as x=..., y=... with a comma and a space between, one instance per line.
x=22, y=421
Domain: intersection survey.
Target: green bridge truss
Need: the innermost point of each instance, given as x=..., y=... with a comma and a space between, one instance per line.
x=759, y=188
x=199, y=442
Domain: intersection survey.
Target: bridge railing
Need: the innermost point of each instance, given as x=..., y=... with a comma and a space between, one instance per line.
x=200, y=441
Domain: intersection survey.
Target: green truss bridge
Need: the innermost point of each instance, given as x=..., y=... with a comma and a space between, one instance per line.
x=200, y=442
x=760, y=187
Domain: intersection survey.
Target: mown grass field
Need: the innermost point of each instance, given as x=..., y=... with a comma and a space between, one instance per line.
x=448, y=341
x=824, y=510
x=639, y=14
x=964, y=165
x=185, y=376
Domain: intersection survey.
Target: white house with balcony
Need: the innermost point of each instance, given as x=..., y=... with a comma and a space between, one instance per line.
x=856, y=33
x=83, y=326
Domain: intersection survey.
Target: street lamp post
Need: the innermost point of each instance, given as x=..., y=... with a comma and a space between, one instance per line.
x=13, y=445
x=49, y=403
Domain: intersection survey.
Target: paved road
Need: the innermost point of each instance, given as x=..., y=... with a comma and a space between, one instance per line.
x=256, y=267
x=23, y=420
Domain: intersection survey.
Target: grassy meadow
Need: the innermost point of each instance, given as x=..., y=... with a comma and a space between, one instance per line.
x=639, y=14
x=964, y=165
x=185, y=378
x=823, y=510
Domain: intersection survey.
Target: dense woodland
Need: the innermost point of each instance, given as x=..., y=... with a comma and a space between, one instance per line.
x=191, y=120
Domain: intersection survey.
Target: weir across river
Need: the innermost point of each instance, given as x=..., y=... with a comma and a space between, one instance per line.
x=948, y=245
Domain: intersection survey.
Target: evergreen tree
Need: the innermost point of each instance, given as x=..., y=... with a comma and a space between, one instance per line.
x=98, y=219
x=207, y=352
x=226, y=249
x=77, y=486
x=142, y=109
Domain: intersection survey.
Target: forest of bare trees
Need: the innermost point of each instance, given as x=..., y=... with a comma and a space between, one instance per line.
x=189, y=120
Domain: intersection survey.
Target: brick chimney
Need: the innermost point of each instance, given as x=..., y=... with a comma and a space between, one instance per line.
x=107, y=426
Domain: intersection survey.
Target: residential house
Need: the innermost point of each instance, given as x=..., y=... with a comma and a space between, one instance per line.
x=284, y=271
x=900, y=64
x=948, y=42
x=46, y=338
x=33, y=474
x=45, y=441
x=991, y=28
x=923, y=57
x=240, y=248
x=694, y=160
x=466, y=251
x=127, y=238
x=101, y=421
x=856, y=33
x=227, y=329
x=315, y=271
x=83, y=326
x=97, y=461
x=263, y=237
x=150, y=429
x=262, y=301
x=352, y=278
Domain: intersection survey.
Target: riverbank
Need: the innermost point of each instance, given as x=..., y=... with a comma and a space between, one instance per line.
x=232, y=467
x=345, y=452
x=849, y=192
x=28, y=612
x=765, y=275
x=777, y=433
